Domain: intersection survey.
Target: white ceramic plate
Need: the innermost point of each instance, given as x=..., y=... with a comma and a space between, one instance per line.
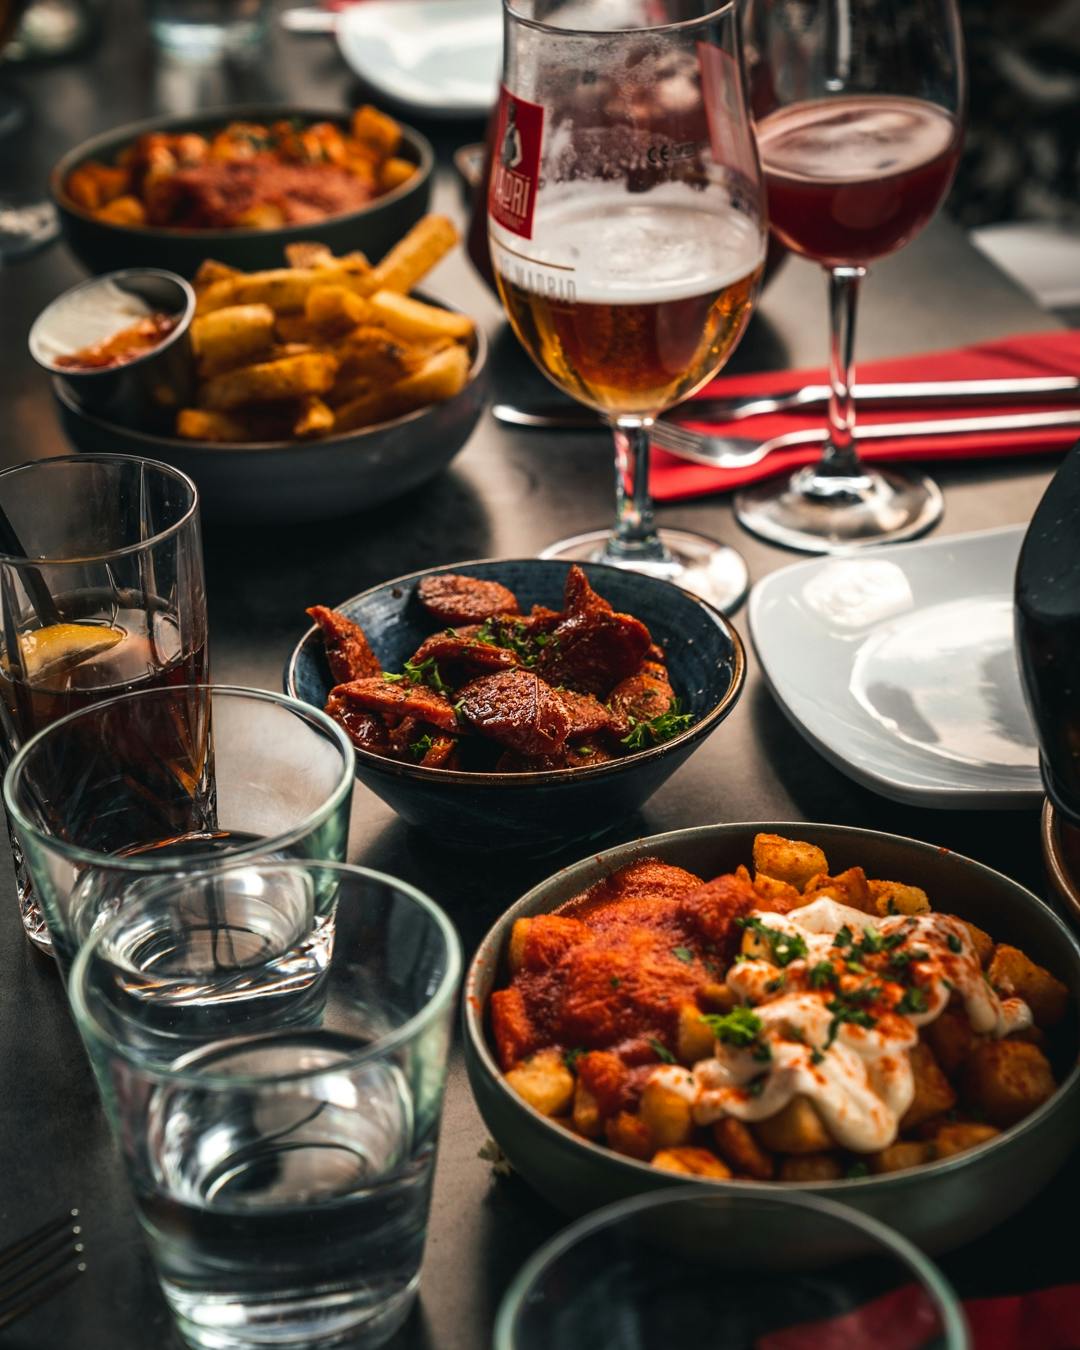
x=435, y=58
x=898, y=665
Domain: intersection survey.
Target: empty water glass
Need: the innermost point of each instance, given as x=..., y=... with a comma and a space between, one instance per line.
x=280, y=1149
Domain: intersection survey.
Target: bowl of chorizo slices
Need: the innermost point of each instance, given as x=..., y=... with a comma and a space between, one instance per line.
x=519, y=703
x=816, y=1007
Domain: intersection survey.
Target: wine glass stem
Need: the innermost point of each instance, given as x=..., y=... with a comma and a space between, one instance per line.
x=635, y=534
x=840, y=459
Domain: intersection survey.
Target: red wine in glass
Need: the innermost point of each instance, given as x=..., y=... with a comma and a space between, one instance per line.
x=855, y=177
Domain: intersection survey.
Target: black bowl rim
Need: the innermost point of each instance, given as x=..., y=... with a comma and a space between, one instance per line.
x=123, y=135
x=537, y=778
x=175, y=444
x=474, y=1013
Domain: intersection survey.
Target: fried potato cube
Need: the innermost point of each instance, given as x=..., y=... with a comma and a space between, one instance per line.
x=123, y=211
x=197, y=424
x=900, y=1156
x=334, y=309
x=262, y=216
x=284, y=289
x=629, y=1134
x=93, y=184
x=950, y=1037
x=957, y=1138
x=416, y=321
x=313, y=418
x=210, y=270
x=586, y=1112
x=776, y=894
x=847, y=888
x=270, y=381
x=667, y=1116
x=791, y=860
x=691, y=1162
x=933, y=1091
x=1013, y=973
x=395, y=172
x=376, y=130
x=416, y=254
x=306, y=253
x=694, y=1038
x=741, y=1151
x=516, y=950
x=717, y=997
x=812, y=1167
x=796, y=1129
x=893, y=897
x=237, y=335
x=1007, y=1080
x=981, y=941
x=438, y=379
x=544, y=1082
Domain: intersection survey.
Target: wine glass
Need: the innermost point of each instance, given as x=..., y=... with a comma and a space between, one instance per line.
x=858, y=109
x=627, y=226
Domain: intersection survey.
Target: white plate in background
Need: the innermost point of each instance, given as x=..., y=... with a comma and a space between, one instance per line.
x=898, y=665
x=434, y=58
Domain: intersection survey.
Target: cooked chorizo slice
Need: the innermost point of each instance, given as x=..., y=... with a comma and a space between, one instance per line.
x=441, y=753
x=594, y=650
x=586, y=716
x=348, y=652
x=462, y=659
x=401, y=698
x=510, y=761
x=516, y=709
x=366, y=730
x=452, y=598
x=584, y=756
x=579, y=596
x=642, y=696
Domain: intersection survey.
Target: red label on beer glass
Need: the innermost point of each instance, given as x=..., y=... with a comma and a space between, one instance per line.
x=516, y=163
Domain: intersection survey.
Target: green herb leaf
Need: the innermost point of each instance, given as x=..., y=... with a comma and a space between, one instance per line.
x=682, y=954
x=857, y=1170
x=955, y=945
x=740, y=1027
x=660, y=1050
x=822, y=975
x=571, y=1057
x=756, y=1086
x=419, y=748
x=871, y=943
x=784, y=947
x=615, y=981
x=642, y=735
x=913, y=1001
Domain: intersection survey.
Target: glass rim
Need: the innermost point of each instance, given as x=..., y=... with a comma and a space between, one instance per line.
x=954, y=1324
x=90, y=1025
x=142, y=864
x=718, y=10
x=169, y=470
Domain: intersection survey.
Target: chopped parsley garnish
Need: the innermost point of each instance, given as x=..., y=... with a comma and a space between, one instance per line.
x=418, y=749
x=571, y=1057
x=857, y=1170
x=682, y=953
x=872, y=942
x=774, y=986
x=762, y=1052
x=785, y=947
x=843, y=938
x=845, y=1008
x=740, y=1027
x=955, y=945
x=756, y=1086
x=822, y=974
x=615, y=981
x=913, y=1001
x=660, y=1050
x=854, y=967
x=893, y=940
x=424, y=672
x=816, y=1056
x=658, y=729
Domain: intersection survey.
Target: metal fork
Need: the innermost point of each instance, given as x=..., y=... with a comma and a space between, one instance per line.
x=739, y=452
x=39, y=1265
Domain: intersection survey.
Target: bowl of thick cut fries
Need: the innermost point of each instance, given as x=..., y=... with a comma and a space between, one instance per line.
x=781, y=1066
x=320, y=388
x=238, y=184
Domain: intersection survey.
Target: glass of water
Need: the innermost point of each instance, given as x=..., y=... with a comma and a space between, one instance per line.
x=208, y=30
x=157, y=781
x=280, y=1150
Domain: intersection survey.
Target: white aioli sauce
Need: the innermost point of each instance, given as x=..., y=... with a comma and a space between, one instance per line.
x=858, y=1077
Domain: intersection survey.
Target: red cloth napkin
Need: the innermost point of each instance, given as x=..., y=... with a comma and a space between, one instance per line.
x=1056, y=353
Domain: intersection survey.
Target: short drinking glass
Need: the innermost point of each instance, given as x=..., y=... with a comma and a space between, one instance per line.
x=280, y=1153
x=160, y=781
x=101, y=593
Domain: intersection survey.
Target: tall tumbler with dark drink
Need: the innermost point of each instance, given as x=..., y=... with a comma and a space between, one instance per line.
x=858, y=106
x=101, y=593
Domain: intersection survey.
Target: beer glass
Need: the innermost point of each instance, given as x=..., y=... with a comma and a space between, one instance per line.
x=627, y=232
x=857, y=106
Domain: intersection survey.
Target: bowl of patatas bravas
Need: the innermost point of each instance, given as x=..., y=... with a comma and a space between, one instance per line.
x=318, y=387
x=814, y=1006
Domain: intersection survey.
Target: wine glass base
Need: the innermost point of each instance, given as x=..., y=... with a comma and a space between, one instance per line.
x=875, y=507
x=696, y=563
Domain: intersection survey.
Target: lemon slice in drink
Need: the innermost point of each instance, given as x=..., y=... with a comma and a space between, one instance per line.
x=51, y=651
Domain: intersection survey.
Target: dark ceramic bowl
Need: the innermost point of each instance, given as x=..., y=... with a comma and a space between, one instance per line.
x=537, y=812
x=939, y=1206
x=103, y=247
x=302, y=481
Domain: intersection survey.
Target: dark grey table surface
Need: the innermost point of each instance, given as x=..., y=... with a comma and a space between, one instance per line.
x=509, y=493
